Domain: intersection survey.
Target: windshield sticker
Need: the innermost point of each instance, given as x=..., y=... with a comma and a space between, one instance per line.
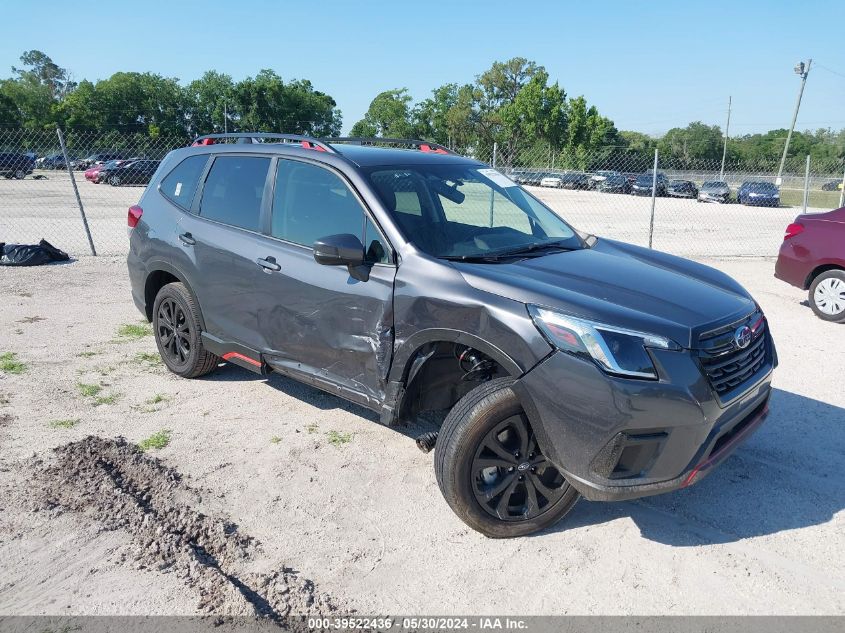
x=497, y=177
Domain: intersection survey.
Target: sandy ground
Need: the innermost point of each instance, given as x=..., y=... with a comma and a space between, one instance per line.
x=32, y=209
x=363, y=519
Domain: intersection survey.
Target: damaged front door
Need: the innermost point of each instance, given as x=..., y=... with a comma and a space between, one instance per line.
x=319, y=322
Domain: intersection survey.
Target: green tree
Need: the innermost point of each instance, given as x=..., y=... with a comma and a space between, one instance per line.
x=389, y=115
x=208, y=100
x=696, y=143
x=266, y=103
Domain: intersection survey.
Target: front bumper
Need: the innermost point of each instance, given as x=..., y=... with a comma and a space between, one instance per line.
x=617, y=439
x=714, y=197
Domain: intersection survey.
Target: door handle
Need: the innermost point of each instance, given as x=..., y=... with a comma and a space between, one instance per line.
x=268, y=264
x=187, y=239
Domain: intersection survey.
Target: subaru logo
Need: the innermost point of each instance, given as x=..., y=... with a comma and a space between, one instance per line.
x=523, y=467
x=742, y=337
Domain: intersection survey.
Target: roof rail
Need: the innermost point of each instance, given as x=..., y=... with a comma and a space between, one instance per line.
x=423, y=146
x=308, y=142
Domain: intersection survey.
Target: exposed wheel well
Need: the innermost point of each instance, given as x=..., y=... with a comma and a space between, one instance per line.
x=818, y=271
x=443, y=372
x=155, y=282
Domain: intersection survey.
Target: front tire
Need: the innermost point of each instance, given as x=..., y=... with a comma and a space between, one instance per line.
x=114, y=181
x=20, y=174
x=491, y=469
x=176, y=325
x=827, y=296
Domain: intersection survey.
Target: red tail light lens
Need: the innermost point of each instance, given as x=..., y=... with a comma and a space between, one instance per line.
x=793, y=229
x=135, y=213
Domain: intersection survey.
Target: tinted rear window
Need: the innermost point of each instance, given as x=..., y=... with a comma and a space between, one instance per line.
x=181, y=183
x=233, y=190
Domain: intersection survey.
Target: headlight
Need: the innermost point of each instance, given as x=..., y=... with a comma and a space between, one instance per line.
x=616, y=350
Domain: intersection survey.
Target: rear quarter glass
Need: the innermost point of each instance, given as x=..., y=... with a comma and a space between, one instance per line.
x=180, y=185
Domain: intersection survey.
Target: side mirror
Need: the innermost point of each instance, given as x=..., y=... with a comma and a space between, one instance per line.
x=339, y=250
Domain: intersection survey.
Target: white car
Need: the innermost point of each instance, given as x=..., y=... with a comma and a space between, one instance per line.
x=552, y=181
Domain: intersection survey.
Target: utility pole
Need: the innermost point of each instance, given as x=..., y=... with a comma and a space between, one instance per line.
x=802, y=71
x=725, y=147
x=225, y=117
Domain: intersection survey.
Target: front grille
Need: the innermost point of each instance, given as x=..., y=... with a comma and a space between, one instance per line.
x=727, y=366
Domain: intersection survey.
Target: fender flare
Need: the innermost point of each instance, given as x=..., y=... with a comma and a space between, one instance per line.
x=159, y=265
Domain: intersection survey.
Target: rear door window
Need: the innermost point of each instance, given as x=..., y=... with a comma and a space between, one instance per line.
x=233, y=191
x=180, y=184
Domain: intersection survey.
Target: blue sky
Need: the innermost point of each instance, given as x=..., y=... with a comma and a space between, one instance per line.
x=649, y=69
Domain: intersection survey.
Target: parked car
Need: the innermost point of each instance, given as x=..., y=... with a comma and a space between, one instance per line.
x=529, y=177
x=556, y=383
x=600, y=176
x=93, y=174
x=99, y=158
x=682, y=189
x=551, y=180
x=51, y=161
x=832, y=185
x=575, y=180
x=764, y=194
x=812, y=257
x=714, y=191
x=130, y=172
x=16, y=165
x=643, y=183
x=615, y=184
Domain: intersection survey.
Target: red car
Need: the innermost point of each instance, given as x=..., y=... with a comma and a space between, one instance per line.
x=93, y=174
x=812, y=257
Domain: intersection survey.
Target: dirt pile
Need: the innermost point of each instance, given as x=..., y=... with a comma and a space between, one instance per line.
x=114, y=483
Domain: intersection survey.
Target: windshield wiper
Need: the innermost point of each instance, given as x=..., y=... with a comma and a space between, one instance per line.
x=474, y=259
x=537, y=247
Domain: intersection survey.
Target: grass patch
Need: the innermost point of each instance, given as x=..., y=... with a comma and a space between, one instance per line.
x=148, y=358
x=157, y=440
x=63, y=424
x=312, y=428
x=338, y=439
x=818, y=199
x=88, y=390
x=87, y=354
x=10, y=364
x=134, y=330
x=275, y=439
x=159, y=397
x=109, y=399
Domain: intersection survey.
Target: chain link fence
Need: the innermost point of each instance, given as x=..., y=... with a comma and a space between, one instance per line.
x=686, y=207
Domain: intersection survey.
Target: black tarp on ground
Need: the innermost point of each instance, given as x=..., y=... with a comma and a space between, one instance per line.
x=30, y=254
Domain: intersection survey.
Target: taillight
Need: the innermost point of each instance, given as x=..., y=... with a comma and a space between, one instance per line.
x=793, y=229
x=135, y=213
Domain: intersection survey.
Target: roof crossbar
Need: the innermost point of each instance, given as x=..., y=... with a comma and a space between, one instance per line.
x=308, y=142
x=423, y=146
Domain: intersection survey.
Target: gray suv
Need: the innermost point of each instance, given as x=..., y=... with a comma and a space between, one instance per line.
x=414, y=281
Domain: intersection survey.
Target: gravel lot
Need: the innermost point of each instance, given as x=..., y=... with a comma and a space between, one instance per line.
x=32, y=209
x=297, y=493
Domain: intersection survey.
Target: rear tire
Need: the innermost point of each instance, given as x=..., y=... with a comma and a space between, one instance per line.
x=20, y=174
x=114, y=181
x=176, y=325
x=491, y=470
x=827, y=296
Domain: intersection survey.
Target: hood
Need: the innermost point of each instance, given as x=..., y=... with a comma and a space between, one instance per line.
x=623, y=285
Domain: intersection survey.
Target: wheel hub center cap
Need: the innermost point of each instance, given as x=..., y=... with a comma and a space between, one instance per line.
x=523, y=467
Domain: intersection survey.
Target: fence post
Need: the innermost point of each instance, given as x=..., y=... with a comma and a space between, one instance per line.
x=807, y=184
x=76, y=190
x=842, y=193
x=653, y=197
x=495, y=151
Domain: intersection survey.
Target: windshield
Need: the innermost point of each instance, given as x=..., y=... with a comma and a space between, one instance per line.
x=464, y=211
x=762, y=187
x=645, y=179
x=713, y=184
